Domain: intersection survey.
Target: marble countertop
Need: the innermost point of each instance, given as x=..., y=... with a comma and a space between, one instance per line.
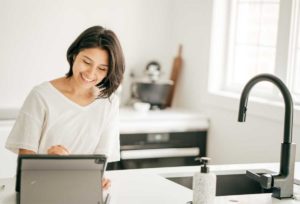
x=148, y=186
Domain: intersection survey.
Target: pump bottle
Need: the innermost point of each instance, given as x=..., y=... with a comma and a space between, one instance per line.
x=204, y=184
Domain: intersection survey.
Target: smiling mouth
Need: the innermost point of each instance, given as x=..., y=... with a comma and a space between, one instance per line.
x=86, y=79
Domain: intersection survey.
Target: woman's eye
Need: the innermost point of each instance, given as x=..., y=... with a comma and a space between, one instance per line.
x=102, y=68
x=86, y=62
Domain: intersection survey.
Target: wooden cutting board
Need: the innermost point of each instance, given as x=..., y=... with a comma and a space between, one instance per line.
x=175, y=72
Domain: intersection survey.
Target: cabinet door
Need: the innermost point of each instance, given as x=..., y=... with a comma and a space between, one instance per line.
x=8, y=160
x=176, y=148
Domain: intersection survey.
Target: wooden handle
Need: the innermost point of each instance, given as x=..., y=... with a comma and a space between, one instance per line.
x=179, y=51
x=176, y=69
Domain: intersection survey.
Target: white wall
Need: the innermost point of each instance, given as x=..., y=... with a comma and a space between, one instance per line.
x=147, y=30
x=35, y=36
x=256, y=140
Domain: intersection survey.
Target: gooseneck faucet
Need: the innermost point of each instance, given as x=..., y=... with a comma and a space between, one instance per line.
x=281, y=183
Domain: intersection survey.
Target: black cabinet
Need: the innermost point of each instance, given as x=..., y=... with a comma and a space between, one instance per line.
x=149, y=150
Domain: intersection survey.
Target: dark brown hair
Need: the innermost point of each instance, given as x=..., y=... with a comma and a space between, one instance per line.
x=99, y=37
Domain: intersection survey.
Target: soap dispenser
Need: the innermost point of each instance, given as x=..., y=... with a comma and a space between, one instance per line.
x=204, y=184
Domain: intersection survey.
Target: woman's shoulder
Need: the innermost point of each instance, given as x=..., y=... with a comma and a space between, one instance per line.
x=114, y=98
x=111, y=102
x=35, y=99
x=41, y=88
x=39, y=92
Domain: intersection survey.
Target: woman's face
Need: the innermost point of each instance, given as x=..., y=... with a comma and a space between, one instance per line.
x=90, y=67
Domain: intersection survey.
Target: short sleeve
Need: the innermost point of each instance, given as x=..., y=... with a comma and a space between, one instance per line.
x=27, y=130
x=109, y=143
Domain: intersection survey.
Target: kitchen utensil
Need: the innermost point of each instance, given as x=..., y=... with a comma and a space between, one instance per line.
x=176, y=69
x=154, y=93
x=153, y=71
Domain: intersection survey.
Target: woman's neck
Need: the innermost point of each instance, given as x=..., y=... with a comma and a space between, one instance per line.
x=75, y=89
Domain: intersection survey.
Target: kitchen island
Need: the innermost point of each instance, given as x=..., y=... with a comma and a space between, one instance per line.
x=149, y=186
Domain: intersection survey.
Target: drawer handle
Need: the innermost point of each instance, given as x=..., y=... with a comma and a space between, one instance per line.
x=160, y=153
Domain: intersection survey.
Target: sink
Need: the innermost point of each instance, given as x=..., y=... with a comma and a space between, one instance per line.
x=228, y=183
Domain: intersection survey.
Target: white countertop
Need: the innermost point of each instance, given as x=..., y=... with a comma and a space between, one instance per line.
x=153, y=121
x=148, y=186
x=167, y=120
x=190, y=170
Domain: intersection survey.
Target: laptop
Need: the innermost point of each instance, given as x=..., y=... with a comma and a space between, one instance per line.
x=55, y=179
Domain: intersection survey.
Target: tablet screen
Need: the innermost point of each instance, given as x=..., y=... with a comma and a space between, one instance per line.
x=57, y=163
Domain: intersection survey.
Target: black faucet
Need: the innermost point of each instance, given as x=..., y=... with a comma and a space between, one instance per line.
x=281, y=183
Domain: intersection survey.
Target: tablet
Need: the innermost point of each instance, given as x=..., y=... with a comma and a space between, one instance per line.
x=60, y=179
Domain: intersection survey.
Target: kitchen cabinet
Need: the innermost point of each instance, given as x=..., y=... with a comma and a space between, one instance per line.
x=8, y=159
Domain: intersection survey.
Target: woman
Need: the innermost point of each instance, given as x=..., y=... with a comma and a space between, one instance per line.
x=77, y=113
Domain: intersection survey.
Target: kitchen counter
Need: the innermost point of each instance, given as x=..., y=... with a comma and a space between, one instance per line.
x=132, y=121
x=148, y=186
x=163, y=121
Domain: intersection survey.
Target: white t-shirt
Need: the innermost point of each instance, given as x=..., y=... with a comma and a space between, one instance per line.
x=49, y=118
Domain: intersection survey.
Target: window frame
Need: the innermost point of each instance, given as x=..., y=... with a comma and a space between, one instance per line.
x=284, y=55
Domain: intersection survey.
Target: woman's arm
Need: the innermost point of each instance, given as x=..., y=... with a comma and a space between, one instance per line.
x=26, y=151
x=58, y=150
x=53, y=150
x=106, y=183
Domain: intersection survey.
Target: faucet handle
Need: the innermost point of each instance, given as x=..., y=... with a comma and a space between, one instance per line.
x=265, y=180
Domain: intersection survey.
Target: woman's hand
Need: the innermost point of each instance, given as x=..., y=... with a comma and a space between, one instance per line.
x=106, y=183
x=58, y=150
x=26, y=151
